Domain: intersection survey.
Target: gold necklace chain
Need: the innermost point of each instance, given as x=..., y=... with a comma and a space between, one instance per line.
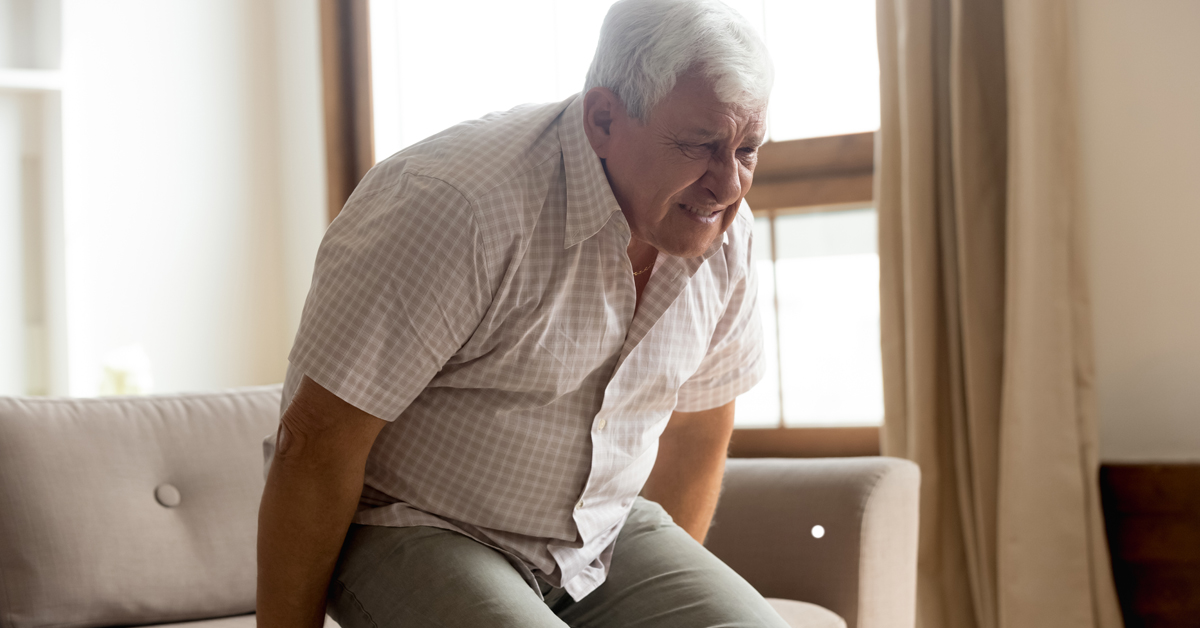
x=638, y=272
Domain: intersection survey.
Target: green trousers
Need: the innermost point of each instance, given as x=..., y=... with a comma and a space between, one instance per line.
x=423, y=577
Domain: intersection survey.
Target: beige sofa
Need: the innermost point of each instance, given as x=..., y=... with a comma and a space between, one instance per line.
x=143, y=510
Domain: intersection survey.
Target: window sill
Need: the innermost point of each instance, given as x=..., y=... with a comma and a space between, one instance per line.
x=805, y=442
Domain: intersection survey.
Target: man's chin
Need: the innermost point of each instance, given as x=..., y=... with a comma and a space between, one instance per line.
x=681, y=236
x=687, y=248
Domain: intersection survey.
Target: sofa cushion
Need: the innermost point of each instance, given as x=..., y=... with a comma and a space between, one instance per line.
x=239, y=621
x=805, y=615
x=130, y=510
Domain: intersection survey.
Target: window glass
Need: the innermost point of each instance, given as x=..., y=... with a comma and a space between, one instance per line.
x=826, y=67
x=828, y=291
x=760, y=406
x=435, y=64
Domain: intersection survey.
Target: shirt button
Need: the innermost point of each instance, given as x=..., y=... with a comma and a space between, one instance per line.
x=600, y=425
x=579, y=505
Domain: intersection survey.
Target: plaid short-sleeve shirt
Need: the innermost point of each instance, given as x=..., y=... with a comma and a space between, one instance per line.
x=476, y=293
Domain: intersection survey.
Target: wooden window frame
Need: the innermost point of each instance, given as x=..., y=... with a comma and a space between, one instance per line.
x=815, y=175
x=346, y=91
x=810, y=175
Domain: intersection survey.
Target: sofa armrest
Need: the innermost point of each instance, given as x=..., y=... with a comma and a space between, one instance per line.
x=863, y=567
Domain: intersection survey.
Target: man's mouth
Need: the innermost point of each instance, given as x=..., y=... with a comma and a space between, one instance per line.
x=702, y=215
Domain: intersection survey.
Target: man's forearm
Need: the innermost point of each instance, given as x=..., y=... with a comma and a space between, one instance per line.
x=302, y=522
x=686, y=480
x=312, y=492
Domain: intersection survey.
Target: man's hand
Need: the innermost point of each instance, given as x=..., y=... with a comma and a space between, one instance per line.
x=310, y=498
x=686, y=480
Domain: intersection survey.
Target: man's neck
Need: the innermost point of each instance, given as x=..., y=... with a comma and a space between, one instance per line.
x=642, y=257
x=641, y=254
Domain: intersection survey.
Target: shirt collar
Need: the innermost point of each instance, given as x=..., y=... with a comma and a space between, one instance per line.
x=590, y=201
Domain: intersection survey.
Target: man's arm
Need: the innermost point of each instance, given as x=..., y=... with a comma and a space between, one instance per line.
x=311, y=495
x=686, y=480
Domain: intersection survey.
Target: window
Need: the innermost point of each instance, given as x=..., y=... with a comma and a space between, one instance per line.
x=819, y=295
x=815, y=227
x=480, y=56
x=819, y=290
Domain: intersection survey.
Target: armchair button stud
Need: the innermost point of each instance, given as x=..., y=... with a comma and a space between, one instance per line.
x=818, y=531
x=167, y=495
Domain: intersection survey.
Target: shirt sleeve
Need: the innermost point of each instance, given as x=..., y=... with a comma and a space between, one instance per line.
x=734, y=362
x=401, y=282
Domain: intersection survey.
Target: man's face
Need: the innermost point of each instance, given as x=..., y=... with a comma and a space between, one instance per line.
x=681, y=175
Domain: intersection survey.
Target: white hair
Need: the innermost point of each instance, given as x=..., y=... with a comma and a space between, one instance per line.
x=645, y=45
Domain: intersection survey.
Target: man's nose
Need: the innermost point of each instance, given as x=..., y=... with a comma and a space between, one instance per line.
x=723, y=179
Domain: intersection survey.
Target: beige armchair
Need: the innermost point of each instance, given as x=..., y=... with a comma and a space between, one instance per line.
x=143, y=510
x=861, y=563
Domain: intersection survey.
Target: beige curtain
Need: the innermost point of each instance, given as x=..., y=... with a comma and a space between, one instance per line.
x=986, y=337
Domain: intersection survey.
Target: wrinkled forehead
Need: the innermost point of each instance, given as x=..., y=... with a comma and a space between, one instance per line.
x=748, y=131
x=713, y=121
x=695, y=96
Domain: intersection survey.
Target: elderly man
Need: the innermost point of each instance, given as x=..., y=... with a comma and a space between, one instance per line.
x=515, y=328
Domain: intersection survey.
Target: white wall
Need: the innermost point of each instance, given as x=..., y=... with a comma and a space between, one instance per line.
x=1140, y=135
x=30, y=159
x=194, y=185
x=12, y=288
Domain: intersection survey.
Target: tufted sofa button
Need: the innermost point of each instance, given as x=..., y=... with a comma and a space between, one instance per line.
x=167, y=495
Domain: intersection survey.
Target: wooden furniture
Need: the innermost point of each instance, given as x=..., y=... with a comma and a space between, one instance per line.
x=1152, y=513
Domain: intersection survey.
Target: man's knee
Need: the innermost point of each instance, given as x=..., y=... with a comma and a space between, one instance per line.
x=660, y=576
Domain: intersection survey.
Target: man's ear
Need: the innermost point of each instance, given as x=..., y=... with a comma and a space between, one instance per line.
x=601, y=108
